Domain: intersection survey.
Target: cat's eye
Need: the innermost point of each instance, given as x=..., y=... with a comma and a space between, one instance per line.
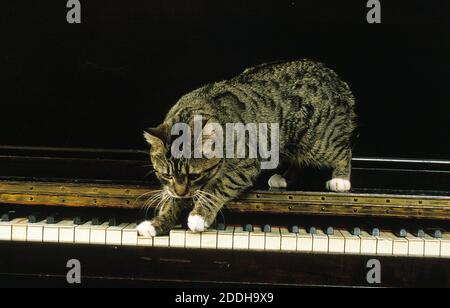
x=194, y=176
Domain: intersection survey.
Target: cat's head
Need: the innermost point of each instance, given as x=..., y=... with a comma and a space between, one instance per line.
x=180, y=177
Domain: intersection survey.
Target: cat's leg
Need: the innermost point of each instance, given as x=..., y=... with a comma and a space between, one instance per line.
x=163, y=222
x=288, y=178
x=230, y=184
x=340, y=180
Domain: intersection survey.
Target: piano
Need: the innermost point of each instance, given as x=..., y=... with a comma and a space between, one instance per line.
x=61, y=204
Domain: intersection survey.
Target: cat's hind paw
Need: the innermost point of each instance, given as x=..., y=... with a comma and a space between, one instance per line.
x=146, y=228
x=339, y=185
x=197, y=223
x=277, y=181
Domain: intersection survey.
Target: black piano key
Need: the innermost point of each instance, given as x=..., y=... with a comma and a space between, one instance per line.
x=295, y=229
x=248, y=228
x=8, y=216
x=53, y=219
x=96, y=221
x=78, y=220
x=402, y=233
x=375, y=232
x=267, y=228
x=330, y=231
x=35, y=217
x=220, y=226
x=420, y=233
x=312, y=230
x=356, y=231
x=437, y=234
x=112, y=222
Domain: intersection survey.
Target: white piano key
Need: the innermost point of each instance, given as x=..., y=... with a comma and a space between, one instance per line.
x=193, y=239
x=83, y=233
x=52, y=231
x=98, y=234
x=416, y=246
x=336, y=242
x=129, y=235
x=6, y=229
x=273, y=239
x=35, y=231
x=177, y=237
x=432, y=246
x=225, y=238
x=445, y=245
x=385, y=244
x=399, y=245
x=145, y=241
x=240, y=238
x=257, y=239
x=288, y=240
x=19, y=231
x=114, y=234
x=209, y=239
x=67, y=231
x=161, y=241
x=352, y=243
x=304, y=241
x=368, y=243
x=320, y=242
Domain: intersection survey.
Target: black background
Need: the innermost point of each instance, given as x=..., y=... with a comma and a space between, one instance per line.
x=99, y=83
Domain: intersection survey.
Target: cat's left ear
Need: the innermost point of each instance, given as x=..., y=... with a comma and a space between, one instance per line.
x=156, y=136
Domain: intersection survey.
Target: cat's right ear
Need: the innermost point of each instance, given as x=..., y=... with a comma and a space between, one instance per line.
x=156, y=137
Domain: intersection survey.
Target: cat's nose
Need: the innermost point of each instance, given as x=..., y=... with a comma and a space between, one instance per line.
x=181, y=190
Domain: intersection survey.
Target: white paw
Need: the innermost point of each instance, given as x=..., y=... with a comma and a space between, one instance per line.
x=196, y=223
x=338, y=184
x=146, y=228
x=277, y=181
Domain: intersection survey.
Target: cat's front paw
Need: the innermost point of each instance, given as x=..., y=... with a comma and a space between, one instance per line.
x=197, y=223
x=339, y=185
x=277, y=181
x=146, y=228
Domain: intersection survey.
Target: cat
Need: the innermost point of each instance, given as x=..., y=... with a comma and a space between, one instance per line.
x=315, y=112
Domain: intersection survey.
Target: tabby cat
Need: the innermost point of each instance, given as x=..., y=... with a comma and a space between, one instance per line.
x=315, y=112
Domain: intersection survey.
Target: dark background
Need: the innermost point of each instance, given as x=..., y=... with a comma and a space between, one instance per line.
x=98, y=84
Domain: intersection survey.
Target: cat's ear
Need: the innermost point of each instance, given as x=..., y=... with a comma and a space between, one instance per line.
x=156, y=137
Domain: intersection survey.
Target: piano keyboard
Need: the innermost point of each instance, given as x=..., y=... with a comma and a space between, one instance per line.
x=248, y=237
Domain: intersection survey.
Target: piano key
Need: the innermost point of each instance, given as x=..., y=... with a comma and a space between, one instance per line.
x=225, y=238
x=420, y=233
x=52, y=230
x=257, y=239
x=432, y=246
x=330, y=231
x=402, y=233
x=288, y=240
x=267, y=228
x=193, y=239
x=385, y=243
x=445, y=245
x=399, y=245
x=67, y=231
x=177, y=237
x=19, y=231
x=368, y=243
x=114, y=233
x=209, y=239
x=312, y=230
x=98, y=233
x=83, y=233
x=320, y=241
x=145, y=241
x=273, y=239
x=53, y=219
x=240, y=238
x=375, y=232
x=129, y=235
x=248, y=228
x=35, y=217
x=161, y=241
x=6, y=227
x=113, y=222
x=416, y=245
x=35, y=231
x=96, y=221
x=356, y=231
x=294, y=229
x=220, y=227
x=352, y=242
x=304, y=241
x=336, y=242
x=437, y=234
x=8, y=216
x=78, y=220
